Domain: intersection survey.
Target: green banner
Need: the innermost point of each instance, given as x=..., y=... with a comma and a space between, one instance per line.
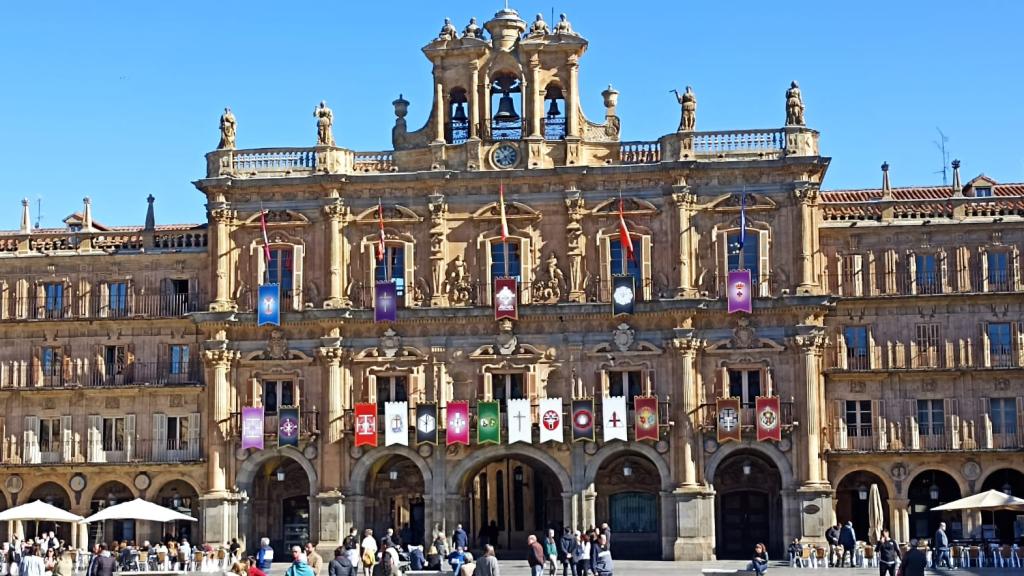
x=488, y=423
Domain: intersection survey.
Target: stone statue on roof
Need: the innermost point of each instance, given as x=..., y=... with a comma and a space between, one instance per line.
x=539, y=26
x=688, y=102
x=563, y=26
x=448, y=31
x=227, y=130
x=472, y=30
x=324, y=121
x=794, y=105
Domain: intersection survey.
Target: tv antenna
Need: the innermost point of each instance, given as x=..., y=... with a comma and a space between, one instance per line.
x=941, y=145
x=39, y=211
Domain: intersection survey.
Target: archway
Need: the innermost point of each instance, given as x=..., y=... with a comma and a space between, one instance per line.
x=627, y=487
x=394, y=499
x=926, y=491
x=1009, y=525
x=748, y=505
x=280, y=498
x=109, y=494
x=853, y=499
x=4, y=537
x=54, y=494
x=182, y=497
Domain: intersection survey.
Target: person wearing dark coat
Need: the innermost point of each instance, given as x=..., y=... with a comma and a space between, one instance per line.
x=535, y=556
x=848, y=540
x=832, y=537
x=941, y=543
x=914, y=561
x=566, y=548
x=459, y=538
x=341, y=565
x=888, y=555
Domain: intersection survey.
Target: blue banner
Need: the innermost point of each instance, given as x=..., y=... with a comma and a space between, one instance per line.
x=288, y=427
x=268, y=305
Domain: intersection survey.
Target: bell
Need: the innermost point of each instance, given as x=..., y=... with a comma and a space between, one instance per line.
x=506, y=109
x=553, y=109
x=460, y=113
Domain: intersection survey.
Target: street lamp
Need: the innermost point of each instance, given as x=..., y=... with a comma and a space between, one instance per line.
x=933, y=492
x=175, y=499
x=1007, y=489
x=392, y=474
x=280, y=474
x=627, y=470
x=747, y=467
x=111, y=500
x=862, y=492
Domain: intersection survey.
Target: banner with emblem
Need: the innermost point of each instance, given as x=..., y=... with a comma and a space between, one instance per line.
x=288, y=427
x=506, y=298
x=623, y=294
x=366, y=424
x=268, y=309
x=613, y=418
x=520, y=423
x=646, y=419
x=385, y=302
x=768, y=416
x=396, y=427
x=426, y=423
x=740, y=292
x=252, y=428
x=583, y=420
x=550, y=414
x=488, y=423
x=728, y=410
x=457, y=423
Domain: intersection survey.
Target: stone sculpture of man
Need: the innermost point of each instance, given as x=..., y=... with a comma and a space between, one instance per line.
x=324, y=120
x=564, y=27
x=227, y=130
x=539, y=26
x=688, y=101
x=794, y=106
x=448, y=31
x=472, y=30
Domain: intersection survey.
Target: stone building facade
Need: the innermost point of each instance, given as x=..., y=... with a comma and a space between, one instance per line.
x=128, y=352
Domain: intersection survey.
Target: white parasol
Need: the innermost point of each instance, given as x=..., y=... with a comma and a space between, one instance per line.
x=139, y=509
x=38, y=511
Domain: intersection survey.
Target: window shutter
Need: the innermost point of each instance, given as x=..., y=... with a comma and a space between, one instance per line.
x=952, y=421
x=66, y=439
x=983, y=264
x=911, y=436
x=986, y=423
x=159, y=436
x=130, y=296
x=879, y=429
x=104, y=304
x=30, y=452
x=129, y=436
x=409, y=273
x=1015, y=279
x=764, y=275
x=95, y=438
x=943, y=269
x=193, y=435
x=1019, y=414
x=841, y=440
x=912, y=272
x=531, y=385
x=526, y=263
x=647, y=256
x=297, y=251
x=605, y=279
x=256, y=253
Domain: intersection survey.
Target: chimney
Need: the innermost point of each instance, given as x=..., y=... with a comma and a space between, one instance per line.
x=26, y=220
x=886, y=189
x=958, y=189
x=87, y=218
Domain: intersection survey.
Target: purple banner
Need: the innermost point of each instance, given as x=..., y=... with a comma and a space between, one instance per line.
x=385, y=302
x=740, y=292
x=252, y=428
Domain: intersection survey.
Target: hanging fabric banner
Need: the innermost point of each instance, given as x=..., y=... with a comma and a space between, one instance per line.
x=646, y=419
x=613, y=414
x=252, y=428
x=488, y=423
x=520, y=424
x=506, y=298
x=426, y=423
x=385, y=302
x=728, y=419
x=366, y=424
x=396, y=425
x=268, y=305
x=288, y=427
x=768, y=416
x=623, y=294
x=583, y=420
x=457, y=423
x=551, y=420
x=740, y=292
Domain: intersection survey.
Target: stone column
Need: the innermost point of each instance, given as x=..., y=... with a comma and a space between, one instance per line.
x=534, y=98
x=687, y=346
x=684, y=200
x=694, y=513
x=572, y=99
x=439, y=113
x=570, y=509
x=806, y=195
x=337, y=265
x=332, y=357
x=219, y=426
x=83, y=536
x=811, y=342
x=222, y=219
x=474, y=111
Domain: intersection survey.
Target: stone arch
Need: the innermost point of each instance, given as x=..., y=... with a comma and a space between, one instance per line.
x=247, y=471
x=361, y=471
x=998, y=468
x=162, y=480
x=617, y=449
x=90, y=492
x=480, y=457
x=29, y=493
x=884, y=476
x=769, y=451
x=952, y=471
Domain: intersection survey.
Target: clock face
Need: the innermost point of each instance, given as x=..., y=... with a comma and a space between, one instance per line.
x=623, y=295
x=506, y=156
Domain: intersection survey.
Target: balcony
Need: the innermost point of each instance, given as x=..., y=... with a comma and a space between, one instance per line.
x=92, y=307
x=309, y=425
x=107, y=451
x=86, y=373
x=283, y=162
x=903, y=435
x=1000, y=357
x=707, y=417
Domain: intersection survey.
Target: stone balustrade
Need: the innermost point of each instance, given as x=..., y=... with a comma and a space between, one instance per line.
x=639, y=152
x=729, y=141
x=282, y=162
x=53, y=241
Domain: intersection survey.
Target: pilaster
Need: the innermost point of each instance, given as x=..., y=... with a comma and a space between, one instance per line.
x=337, y=263
x=685, y=201
x=811, y=341
x=693, y=509
x=222, y=218
x=219, y=361
x=806, y=195
x=687, y=347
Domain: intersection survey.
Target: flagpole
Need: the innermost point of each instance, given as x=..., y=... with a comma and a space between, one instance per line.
x=743, y=227
x=386, y=261
x=623, y=250
x=266, y=250
x=504, y=236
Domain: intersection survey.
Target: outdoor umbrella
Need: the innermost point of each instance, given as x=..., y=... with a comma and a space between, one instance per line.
x=42, y=512
x=991, y=500
x=138, y=509
x=875, y=514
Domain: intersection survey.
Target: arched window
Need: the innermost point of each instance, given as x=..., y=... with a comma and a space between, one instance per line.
x=753, y=256
x=458, y=116
x=506, y=121
x=554, y=113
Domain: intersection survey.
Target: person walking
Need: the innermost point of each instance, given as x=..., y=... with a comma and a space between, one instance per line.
x=535, y=556
x=601, y=557
x=848, y=540
x=265, y=556
x=759, y=562
x=299, y=565
x=487, y=565
x=369, y=554
x=914, y=561
x=459, y=538
x=942, y=548
x=351, y=546
x=566, y=549
x=551, y=552
x=888, y=555
x=315, y=561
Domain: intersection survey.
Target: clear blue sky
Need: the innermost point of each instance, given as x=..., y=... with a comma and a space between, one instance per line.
x=117, y=100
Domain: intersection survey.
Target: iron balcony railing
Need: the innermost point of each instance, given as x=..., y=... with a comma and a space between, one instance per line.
x=94, y=306
x=119, y=450
x=901, y=436
x=707, y=416
x=78, y=372
x=309, y=424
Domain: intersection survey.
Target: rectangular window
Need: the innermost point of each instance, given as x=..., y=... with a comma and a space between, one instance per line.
x=280, y=270
x=858, y=418
x=745, y=385
x=1000, y=344
x=391, y=389
x=619, y=263
x=277, y=394
x=998, y=271
x=392, y=267
x=52, y=360
x=746, y=257
x=113, y=438
x=115, y=359
x=177, y=433
x=856, y=338
x=508, y=386
x=926, y=275
x=931, y=417
x=49, y=434
x=1003, y=413
x=927, y=341
x=853, y=274
x=179, y=359
x=54, y=303
x=117, y=299
x=628, y=383
x=515, y=262
x=983, y=192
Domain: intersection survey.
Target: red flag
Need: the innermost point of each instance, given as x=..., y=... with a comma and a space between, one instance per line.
x=457, y=423
x=646, y=421
x=768, y=417
x=728, y=419
x=624, y=238
x=366, y=424
x=266, y=240
x=380, y=221
x=501, y=206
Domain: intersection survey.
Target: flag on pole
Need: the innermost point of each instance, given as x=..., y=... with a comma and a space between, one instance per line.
x=380, y=222
x=740, y=292
x=366, y=424
x=501, y=206
x=396, y=428
x=520, y=424
x=769, y=420
x=624, y=238
x=266, y=239
x=646, y=422
x=551, y=420
x=743, y=220
x=488, y=423
x=385, y=302
x=506, y=298
x=613, y=412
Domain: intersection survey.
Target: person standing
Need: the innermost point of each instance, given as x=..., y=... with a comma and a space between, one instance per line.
x=759, y=562
x=535, y=556
x=606, y=531
x=32, y=563
x=299, y=565
x=942, y=548
x=459, y=538
x=105, y=565
x=832, y=537
x=914, y=561
x=848, y=540
x=566, y=551
x=265, y=557
x=581, y=554
x=351, y=545
x=369, y=554
x=601, y=557
x=888, y=554
x=315, y=561
x=487, y=565
x=551, y=552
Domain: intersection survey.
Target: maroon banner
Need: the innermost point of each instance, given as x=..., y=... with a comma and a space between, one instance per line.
x=457, y=423
x=646, y=420
x=366, y=424
x=506, y=298
x=768, y=416
x=728, y=410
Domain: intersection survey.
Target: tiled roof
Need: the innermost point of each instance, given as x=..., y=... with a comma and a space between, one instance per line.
x=122, y=229
x=911, y=193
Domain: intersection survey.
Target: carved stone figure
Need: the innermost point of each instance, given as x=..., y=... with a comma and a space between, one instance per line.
x=794, y=105
x=563, y=26
x=324, y=121
x=688, y=102
x=576, y=245
x=472, y=30
x=277, y=346
x=539, y=26
x=458, y=286
x=550, y=289
x=448, y=31
x=227, y=130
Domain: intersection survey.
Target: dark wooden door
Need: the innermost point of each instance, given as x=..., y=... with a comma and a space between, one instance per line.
x=743, y=522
